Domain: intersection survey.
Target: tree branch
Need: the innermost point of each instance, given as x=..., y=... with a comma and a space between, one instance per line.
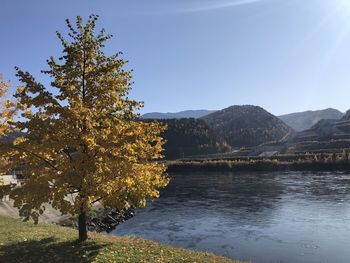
x=37, y=156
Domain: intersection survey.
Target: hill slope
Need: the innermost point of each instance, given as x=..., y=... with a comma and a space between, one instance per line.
x=326, y=135
x=245, y=126
x=301, y=121
x=187, y=137
x=177, y=115
x=330, y=129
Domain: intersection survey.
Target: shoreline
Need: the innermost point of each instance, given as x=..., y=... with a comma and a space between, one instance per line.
x=254, y=166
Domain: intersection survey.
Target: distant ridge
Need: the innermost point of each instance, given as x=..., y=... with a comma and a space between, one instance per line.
x=251, y=130
x=177, y=115
x=301, y=121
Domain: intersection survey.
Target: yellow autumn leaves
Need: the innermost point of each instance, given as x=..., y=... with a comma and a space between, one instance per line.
x=81, y=136
x=7, y=108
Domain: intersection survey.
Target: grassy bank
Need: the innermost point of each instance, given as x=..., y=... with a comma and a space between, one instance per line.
x=26, y=242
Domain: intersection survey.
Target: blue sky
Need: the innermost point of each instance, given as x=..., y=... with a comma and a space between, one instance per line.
x=284, y=55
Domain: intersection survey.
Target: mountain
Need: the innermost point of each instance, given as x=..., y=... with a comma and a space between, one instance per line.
x=301, y=121
x=327, y=129
x=177, y=115
x=188, y=137
x=247, y=125
x=327, y=135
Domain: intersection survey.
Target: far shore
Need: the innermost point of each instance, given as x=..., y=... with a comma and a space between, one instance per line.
x=268, y=165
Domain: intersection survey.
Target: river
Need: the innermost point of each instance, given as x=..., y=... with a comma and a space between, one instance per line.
x=263, y=217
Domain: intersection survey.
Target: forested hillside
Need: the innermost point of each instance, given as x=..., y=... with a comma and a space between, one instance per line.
x=246, y=126
x=187, y=137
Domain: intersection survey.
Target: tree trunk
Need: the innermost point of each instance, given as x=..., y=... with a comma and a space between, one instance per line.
x=82, y=226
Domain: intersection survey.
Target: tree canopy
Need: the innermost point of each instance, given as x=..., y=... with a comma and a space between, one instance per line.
x=82, y=141
x=7, y=108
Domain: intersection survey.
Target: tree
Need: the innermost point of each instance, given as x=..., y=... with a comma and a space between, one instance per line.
x=83, y=142
x=7, y=109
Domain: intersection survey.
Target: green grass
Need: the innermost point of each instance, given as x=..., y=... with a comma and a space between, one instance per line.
x=26, y=242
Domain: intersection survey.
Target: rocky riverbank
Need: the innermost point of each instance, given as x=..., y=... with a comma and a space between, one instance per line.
x=102, y=220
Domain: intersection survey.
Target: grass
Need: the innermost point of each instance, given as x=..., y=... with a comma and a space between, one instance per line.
x=26, y=242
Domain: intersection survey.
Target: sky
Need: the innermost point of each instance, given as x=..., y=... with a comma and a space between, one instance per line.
x=284, y=55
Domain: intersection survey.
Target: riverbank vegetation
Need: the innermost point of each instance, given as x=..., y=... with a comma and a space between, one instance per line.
x=302, y=162
x=26, y=242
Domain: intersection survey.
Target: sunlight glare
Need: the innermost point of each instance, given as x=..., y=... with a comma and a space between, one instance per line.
x=344, y=6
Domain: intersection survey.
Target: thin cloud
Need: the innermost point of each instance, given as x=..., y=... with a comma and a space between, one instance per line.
x=188, y=7
x=217, y=5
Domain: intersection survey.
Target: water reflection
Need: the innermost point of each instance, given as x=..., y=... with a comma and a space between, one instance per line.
x=263, y=217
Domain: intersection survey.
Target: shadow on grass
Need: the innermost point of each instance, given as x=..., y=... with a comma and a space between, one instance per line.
x=49, y=250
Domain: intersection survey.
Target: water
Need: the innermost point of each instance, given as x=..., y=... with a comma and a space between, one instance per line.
x=262, y=217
